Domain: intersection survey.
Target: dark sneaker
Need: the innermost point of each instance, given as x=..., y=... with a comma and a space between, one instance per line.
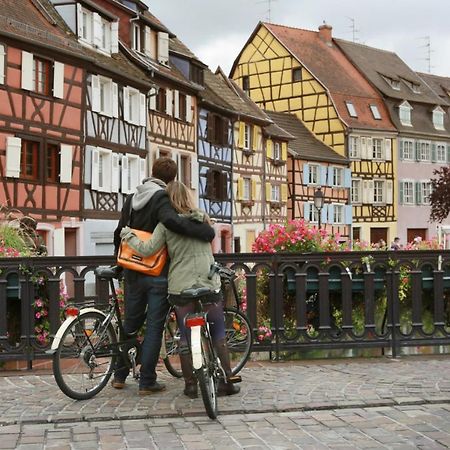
x=153, y=389
x=190, y=390
x=117, y=384
x=227, y=389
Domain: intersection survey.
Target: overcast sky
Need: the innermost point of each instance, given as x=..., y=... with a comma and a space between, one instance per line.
x=216, y=30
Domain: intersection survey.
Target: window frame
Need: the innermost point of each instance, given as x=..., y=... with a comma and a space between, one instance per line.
x=161, y=101
x=425, y=151
x=296, y=74
x=356, y=199
x=377, y=150
x=313, y=213
x=338, y=175
x=34, y=164
x=411, y=148
x=87, y=25
x=275, y=193
x=438, y=125
x=351, y=109
x=247, y=189
x=426, y=190
x=338, y=213
x=379, y=196
x=317, y=174
x=246, y=83
x=404, y=114
x=52, y=162
x=48, y=85
x=375, y=112
x=408, y=185
x=248, y=132
x=354, y=147
x=441, y=146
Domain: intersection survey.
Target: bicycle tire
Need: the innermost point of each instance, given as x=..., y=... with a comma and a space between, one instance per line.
x=238, y=332
x=76, y=350
x=207, y=379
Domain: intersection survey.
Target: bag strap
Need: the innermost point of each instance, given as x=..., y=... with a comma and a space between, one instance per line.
x=130, y=211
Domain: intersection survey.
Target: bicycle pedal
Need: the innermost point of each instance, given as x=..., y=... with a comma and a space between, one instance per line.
x=234, y=379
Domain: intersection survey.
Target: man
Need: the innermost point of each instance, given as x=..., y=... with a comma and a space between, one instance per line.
x=395, y=245
x=150, y=205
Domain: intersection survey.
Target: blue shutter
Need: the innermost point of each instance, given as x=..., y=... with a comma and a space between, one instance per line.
x=330, y=176
x=348, y=210
x=305, y=173
x=400, y=144
x=331, y=214
x=306, y=208
x=323, y=175
x=323, y=214
x=401, y=189
x=347, y=178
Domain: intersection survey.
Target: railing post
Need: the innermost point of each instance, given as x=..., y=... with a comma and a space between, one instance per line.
x=393, y=306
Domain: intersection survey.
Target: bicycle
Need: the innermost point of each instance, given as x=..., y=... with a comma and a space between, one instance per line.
x=86, y=346
x=238, y=331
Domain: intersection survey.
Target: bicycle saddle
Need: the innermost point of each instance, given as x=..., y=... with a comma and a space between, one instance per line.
x=195, y=292
x=108, y=272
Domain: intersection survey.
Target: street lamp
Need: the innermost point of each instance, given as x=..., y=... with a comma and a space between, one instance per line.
x=318, y=202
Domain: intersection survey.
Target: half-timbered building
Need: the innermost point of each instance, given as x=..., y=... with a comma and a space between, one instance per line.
x=312, y=165
x=287, y=69
x=421, y=116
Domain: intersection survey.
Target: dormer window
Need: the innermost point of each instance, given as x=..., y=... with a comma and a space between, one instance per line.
x=351, y=109
x=86, y=25
x=438, y=118
x=394, y=84
x=413, y=86
x=246, y=84
x=405, y=114
x=375, y=113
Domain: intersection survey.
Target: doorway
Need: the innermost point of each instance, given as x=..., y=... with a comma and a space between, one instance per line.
x=416, y=232
x=378, y=233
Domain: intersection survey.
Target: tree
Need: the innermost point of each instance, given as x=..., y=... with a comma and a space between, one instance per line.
x=440, y=195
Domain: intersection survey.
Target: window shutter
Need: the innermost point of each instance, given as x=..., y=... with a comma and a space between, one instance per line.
x=253, y=188
x=124, y=175
x=284, y=151
x=254, y=137
x=189, y=111
x=2, y=63
x=347, y=178
x=419, y=193
x=126, y=104
x=115, y=100
x=330, y=214
x=79, y=20
x=284, y=193
x=269, y=148
x=348, y=212
x=95, y=169
x=210, y=128
x=95, y=81
x=369, y=150
x=176, y=104
x=142, y=169
x=433, y=152
x=115, y=177
x=241, y=134
x=223, y=191
x=148, y=41
x=323, y=175
x=401, y=144
x=388, y=149
x=142, y=110
x=59, y=242
x=401, y=192
x=389, y=192
x=268, y=192
x=107, y=170
x=305, y=173
x=169, y=100
x=194, y=173
x=163, y=47
x=225, y=132
x=115, y=37
x=152, y=99
x=363, y=148
x=448, y=153
x=324, y=217
x=370, y=186
x=330, y=176
x=240, y=188
x=66, y=158
x=97, y=30
x=306, y=210
x=13, y=154
x=27, y=71
x=417, y=150
x=210, y=188
x=58, y=79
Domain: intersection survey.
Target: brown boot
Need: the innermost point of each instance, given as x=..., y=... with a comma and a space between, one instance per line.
x=190, y=380
x=225, y=386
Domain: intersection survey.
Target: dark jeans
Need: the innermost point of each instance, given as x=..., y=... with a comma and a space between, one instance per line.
x=145, y=293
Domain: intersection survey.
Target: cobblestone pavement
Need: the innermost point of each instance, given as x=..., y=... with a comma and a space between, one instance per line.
x=380, y=403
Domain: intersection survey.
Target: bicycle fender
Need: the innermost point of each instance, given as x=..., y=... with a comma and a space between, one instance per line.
x=62, y=329
x=196, y=346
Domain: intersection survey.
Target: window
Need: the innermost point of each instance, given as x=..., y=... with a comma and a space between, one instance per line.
x=247, y=136
x=408, y=150
x=105, y=96
x=182, y=107
x=29, y=160
x=338, y=176
x=196, y=74
x=375, y=113
x=133, y=113
x=413, y=86
x=354, y=151
x=246, y=84
x=161, y=100
x=426, y=189
x=247, y=191
x=297, y=74
x=106, y=35
x=136, y=37
x=351, y=109
x=276, y=151
x=216, y=185
x=440, y=153
x=377, y=149
x=378, y=191
x=405, y=114
x=86, y=25
x=52, y=163
x=313, y=213
x=356, y=191
x=275, y=193
x=338, y=214
x=41, y=76
x=185, y=170
x=217, y=129
x=408, y=192
x=394, y=84
x=313, y=174
x=438, y=119
x=424, y=151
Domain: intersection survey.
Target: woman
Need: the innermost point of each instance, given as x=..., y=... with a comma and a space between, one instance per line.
x=190, y=262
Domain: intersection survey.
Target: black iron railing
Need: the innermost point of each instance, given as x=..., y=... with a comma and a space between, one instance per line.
x=380, y=299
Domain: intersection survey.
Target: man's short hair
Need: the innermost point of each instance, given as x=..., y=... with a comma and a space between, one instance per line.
x=165, y=169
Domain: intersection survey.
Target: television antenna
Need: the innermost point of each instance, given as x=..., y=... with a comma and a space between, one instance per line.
x=269, y=8
x=428, y=50
x=354, y=29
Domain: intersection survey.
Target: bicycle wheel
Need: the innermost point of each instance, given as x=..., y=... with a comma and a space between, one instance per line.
x=83, y=362
x=170, y=351
x=239, y=335
x=207, y=379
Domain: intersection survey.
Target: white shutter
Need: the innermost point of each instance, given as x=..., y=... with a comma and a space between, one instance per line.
x=13, y=153
x=58, y=80
x=115, y=37
x=189, y=112
x=79, y=20
x=194, y=173
x=2, y=63
x=369, y=150
x=142, y=110
x=169, y=100
x=152, y=99
x=95, y=168
x=365, y=192
x=107, y=170
x=363, y=148
x=66, y=158
x=115, y=177
x=115, y=100
x=389, y=192
x=163, y=47
x=388, y=149
x=27, y=71
x=176, y=104
x=95, y=85
x=59, y=242
x=142, y=169
x=148, y=41
x=126, y=104
x=97, y=30
x=124, y=173
x=370, y=188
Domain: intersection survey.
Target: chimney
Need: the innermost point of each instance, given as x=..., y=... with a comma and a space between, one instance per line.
x=325, y=33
